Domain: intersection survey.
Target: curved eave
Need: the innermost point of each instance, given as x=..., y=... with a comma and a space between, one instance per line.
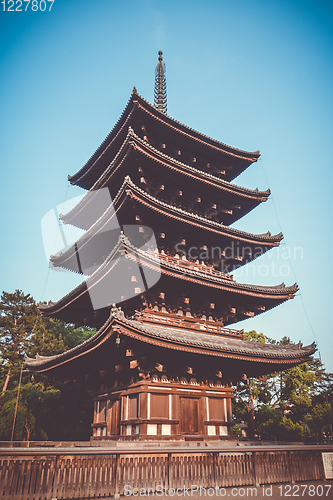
x=174, y=339
x=211, y=344
x=191, y=172
x=137, y=102
x=171, y=165
x=155, y=204
x=78, y=299
x=46, y=363
x=239, y=154
x=194, y=173
x=80, y=174
x=131, y=190
x=281, y=292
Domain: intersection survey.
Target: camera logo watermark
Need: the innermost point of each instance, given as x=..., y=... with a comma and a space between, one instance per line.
x=89, y=240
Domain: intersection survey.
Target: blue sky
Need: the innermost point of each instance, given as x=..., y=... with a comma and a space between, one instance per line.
x=255, y=75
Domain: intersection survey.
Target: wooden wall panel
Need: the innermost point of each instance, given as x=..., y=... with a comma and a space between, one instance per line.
x=113, y=425
x=216, y=409
x=189, y=415
x=102, y=411
x=133, y=406
x=159, y=406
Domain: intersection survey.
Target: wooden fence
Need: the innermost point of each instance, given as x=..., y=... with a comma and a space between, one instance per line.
x=109, y=472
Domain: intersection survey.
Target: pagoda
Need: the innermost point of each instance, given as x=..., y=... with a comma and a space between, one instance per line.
x=165, y=355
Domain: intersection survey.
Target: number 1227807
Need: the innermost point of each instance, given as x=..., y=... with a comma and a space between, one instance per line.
x=300, y=490
x=25, y=5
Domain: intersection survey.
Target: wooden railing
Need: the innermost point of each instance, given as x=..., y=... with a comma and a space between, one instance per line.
x=194, y=266
x=187, y=323
x=63, y=473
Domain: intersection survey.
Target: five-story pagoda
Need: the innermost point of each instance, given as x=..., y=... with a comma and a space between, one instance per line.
x=163, y=362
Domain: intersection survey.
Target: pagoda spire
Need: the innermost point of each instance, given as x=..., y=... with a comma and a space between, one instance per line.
x=160, y=95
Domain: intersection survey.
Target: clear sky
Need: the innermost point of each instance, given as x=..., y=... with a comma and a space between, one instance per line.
x=252, y=74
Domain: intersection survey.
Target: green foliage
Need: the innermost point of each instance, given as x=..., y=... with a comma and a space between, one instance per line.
x=237, y=430
x=319, y=419
x=32, y=407
x=75, y=336
x=268, y=422
x=46, y=409
x=47, y=338
x=18, y=314
x=292, y=405
x=52, y=337
x=253, y=335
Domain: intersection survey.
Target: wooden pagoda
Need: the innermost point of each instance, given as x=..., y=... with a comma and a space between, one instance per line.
x=164, y=360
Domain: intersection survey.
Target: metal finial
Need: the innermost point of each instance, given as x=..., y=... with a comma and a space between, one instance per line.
x=160, y=94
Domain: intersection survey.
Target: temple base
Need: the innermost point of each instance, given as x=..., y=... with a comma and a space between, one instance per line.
x=155, y=410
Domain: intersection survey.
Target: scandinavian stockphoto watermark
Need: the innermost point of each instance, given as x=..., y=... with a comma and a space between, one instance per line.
x=231, y=259
x=189, y=491
x=89, y=240
x=195, y=490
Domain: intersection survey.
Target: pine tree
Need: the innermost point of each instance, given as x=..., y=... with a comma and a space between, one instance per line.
x=42, y=404
x=18, y=314
x=291, y=405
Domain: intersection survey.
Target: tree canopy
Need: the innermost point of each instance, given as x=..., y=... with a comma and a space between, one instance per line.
x=46, y=408
x=292, y=405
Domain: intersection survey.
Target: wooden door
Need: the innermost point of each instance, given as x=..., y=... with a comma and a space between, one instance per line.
x=114, y=417
x=189, y=414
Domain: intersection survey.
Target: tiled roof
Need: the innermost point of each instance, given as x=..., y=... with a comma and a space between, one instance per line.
x=158, y=156
x=278, y=292
x=217, y=227
x=253, y=155
x=220, y=343
x=135, y=98
x=179, y=339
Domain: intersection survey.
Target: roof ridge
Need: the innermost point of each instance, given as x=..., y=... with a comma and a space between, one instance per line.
x=201, y=172
x=233, y=232
x=190, y=214
x=131, y=134
x=275, y=289
x=159, y=115
x=184, y=337
x=123, y=240
x=266, y=350
x=257, y=153
x=92, y=189
x=105, y=140
x=227, y=281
